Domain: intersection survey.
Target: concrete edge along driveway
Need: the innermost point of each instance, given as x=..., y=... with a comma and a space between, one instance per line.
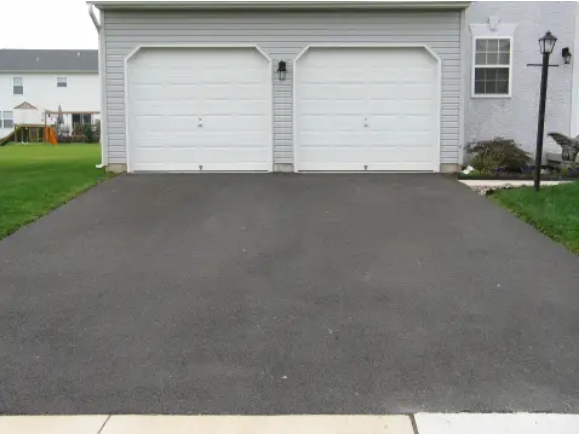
x=421, y=423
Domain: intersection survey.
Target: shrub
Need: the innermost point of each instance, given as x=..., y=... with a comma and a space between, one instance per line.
x=499, y=153
x=88, y=133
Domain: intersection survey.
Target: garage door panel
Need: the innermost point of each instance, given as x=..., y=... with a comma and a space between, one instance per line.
x=188, y=109
x=418, y=92
x=224, y=109
x=399, y=142
x=341, y=155
x=215, y=140
x=330, y=123
x=222, y=155
x=345, y=75
x=416, y=123
x=152, y=143
x=366, y=109
x=328, y=141
x=247, y=107
x=418, y=76
x=387, y=92
x=216, y=91
x=415, y=138
x=231, y=124
x=422, y=107
x=332, y=107
x=314, y=123
x=163, y=109
x=325, y=92
x=385, y=123
x=149, y=156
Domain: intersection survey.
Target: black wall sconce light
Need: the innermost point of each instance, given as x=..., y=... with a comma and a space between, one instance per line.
x=282, y=70
x=566, y=53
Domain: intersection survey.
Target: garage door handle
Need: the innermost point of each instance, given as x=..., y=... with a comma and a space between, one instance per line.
x=365, y=122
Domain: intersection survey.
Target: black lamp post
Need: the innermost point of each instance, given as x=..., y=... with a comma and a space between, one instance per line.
x=546, y=45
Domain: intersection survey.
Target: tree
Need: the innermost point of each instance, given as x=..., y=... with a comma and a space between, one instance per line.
x=59, y=118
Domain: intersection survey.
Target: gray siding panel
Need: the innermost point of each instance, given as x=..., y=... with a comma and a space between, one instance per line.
x=282, y=35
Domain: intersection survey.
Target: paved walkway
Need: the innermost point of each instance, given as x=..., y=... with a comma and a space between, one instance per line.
x=422, y=423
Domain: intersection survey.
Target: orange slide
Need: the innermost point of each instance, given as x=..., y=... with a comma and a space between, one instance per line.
x=50, y=136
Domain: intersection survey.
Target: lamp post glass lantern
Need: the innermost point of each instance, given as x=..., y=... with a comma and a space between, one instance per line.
x=546, y=46
x=547, y=43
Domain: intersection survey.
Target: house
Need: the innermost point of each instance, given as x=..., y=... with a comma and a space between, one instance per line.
x=316, y=85
x=35, y=84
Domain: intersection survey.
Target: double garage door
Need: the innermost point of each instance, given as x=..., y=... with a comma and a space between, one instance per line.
x=354, y=109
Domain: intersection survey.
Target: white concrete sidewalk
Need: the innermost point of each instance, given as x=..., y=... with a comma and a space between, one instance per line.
x=422, y=423
x=502, y=182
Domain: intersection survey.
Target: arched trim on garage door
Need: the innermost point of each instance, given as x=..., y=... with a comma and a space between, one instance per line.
x=427, y=49
x=139, y=48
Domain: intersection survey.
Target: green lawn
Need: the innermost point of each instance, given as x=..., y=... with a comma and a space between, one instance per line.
x=35, y=179
x=554, y=210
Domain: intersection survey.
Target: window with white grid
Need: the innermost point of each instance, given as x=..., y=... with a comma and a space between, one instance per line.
x=6, y=119
x=17, y=86
x=492, y=73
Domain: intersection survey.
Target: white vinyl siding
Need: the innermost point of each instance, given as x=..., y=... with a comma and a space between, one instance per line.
x=282, y=35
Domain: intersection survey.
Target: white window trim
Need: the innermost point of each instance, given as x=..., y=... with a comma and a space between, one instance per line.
x=65, y=81
x=22, y=78
x=473, y=68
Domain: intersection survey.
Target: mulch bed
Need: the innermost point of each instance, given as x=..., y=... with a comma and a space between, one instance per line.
x=549, y=174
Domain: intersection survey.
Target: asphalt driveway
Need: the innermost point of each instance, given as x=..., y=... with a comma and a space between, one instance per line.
x=264, y=294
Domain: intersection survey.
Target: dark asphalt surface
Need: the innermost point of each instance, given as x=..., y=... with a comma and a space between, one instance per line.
x=263, y=294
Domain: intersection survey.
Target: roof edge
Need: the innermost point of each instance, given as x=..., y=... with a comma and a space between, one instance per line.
x=279, y=4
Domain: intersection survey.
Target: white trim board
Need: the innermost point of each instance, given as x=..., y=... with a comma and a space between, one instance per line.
x=278, y=4
x=437, y=162
x=134, y=52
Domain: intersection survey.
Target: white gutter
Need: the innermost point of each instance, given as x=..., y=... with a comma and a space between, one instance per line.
x=277, y=4
x=93, y=17
x=98, y=27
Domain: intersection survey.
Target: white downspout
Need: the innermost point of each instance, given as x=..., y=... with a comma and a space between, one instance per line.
x=98, y=27
x=574, y=127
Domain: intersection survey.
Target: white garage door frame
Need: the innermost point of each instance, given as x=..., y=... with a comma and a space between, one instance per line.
x=138, y=48
x=436, y=163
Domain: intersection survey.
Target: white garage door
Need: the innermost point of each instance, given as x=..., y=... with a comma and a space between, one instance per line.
x=199, y=109
x=367, y=109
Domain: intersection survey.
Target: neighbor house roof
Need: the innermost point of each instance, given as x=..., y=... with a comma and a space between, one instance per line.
x=58, y=61
x=306, y=4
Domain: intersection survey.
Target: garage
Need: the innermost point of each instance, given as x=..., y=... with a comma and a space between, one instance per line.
x=367, y=109
x=199, y=109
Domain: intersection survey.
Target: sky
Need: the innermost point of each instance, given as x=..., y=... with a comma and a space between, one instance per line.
x=63, y=24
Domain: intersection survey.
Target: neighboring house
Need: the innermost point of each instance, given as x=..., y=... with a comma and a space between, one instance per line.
x=338, y=85
x=35, y=83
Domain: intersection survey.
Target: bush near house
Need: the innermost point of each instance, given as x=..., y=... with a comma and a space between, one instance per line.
x=487, y=156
